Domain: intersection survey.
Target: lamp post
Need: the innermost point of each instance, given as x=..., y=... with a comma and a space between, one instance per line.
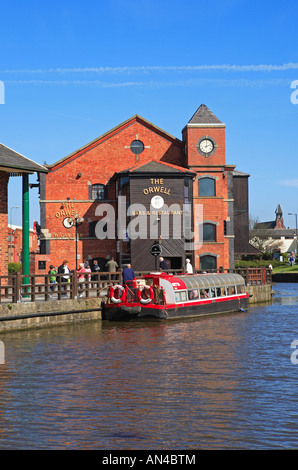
x=77, y=222
x=293, y=213
x=11, y=250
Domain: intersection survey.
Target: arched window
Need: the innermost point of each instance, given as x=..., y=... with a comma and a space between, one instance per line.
x=98, y=191
x=209, y=232
x=208, y=262
x=207, y=187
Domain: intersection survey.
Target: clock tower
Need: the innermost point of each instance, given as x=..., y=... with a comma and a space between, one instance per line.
x=204, y=144
x=204, y=138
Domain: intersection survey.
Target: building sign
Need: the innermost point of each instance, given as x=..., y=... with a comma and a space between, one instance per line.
x=157, y=189
x=67, y=210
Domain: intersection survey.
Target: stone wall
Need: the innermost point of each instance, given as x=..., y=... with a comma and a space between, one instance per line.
x=40, y=314
x=262, y=293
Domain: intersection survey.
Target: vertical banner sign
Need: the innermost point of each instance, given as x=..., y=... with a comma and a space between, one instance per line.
x=2, y=352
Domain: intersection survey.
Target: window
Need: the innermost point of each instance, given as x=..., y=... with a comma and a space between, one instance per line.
x=98, y=191
x=240, y=289
x=209, y=232
x=208, y=262
x=232, y=290
x=187, y=190
x=42, y=265
x=180, y=296
x=137, y=147
x=193, y=294
x=205, y=293
x=206, y=187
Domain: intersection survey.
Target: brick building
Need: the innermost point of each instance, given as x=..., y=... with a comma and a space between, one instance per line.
x=13, y=164
x=127, y=182
x=15, y=243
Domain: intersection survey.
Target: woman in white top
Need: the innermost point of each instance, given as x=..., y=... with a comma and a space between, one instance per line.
x=189, y=269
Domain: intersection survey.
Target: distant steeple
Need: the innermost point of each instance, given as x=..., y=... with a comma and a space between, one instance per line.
x=279, y=221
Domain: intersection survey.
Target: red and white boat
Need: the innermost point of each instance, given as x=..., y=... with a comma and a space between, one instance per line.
x=164, y=296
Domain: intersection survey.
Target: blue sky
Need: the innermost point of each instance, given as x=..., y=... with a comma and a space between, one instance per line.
x=72, y=70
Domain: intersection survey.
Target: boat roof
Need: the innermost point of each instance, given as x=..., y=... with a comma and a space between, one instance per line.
x=201, y=281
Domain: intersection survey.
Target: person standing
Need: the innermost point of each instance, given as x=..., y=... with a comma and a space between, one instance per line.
x=95, y=269
x=112, y=267
x=81, y=277
x=163, y=264
x=128, y=275
x=52, y=278
x=65, y=271
x=188, y=269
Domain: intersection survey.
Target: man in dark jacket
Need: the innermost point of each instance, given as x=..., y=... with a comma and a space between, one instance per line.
x=163, y=264
x=128, y=275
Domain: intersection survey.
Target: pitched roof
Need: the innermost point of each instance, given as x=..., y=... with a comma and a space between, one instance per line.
x=16, y=163
x=157, y=167
x=107, y=135
x=239, y=173
x=265, y=225
x=275, y=233
x=204, y=116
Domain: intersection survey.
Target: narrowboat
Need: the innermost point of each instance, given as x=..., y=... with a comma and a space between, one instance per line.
x=165, y=296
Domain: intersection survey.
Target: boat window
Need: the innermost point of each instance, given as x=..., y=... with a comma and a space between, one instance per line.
x=223, y=291
x=204, y=293
x=180, y=296
x=231, y=290
x=193, y=294
x=240, y=289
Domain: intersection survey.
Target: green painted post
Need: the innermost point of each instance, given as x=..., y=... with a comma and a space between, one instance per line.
x=26, y=243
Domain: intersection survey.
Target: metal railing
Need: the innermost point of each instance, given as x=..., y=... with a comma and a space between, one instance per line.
x=255, y=276
x=34, y=287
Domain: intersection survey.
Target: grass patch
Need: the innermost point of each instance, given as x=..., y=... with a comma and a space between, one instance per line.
x=286, y=269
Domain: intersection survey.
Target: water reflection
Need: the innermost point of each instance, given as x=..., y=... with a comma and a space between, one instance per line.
x=222, y=382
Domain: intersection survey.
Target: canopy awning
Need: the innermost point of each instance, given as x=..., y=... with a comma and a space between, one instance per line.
x=15, y=163
x=204, y=281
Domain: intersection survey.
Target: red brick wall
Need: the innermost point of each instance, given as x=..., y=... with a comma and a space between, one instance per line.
x=97, y=163
x=193, y=134
x=99, y=160
x=215, y=209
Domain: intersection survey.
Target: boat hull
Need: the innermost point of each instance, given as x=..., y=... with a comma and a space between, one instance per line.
x=120, y=312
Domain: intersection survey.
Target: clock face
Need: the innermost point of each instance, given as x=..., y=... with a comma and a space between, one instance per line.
x=206, y=146
x=68, y=222
x=157, y=202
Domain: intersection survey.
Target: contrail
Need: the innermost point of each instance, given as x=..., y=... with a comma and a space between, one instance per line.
x=164, y=68
x=157, y=83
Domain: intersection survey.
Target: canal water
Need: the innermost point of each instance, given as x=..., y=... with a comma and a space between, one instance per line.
x=225, y=382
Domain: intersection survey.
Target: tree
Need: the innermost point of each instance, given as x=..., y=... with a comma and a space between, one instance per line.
x=262, y=238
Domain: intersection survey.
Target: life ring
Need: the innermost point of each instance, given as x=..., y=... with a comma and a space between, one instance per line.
x=112, y=291
x=149, y=299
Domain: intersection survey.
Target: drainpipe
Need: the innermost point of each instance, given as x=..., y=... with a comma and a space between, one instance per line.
x=26, y=244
